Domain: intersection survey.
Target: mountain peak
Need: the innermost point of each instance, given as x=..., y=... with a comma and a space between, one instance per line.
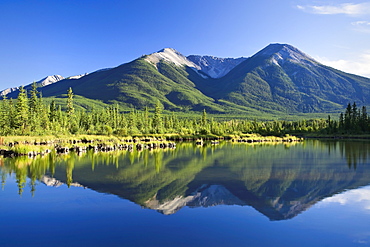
x=169, y=50
x=49, y=80
x=170, y=55
x=284, y=52
x=277, y=47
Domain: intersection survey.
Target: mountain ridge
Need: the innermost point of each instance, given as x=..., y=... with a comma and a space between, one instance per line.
x=278, y=78
x=215, y=67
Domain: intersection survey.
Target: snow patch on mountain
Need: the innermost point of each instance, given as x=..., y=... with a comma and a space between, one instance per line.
x=75, y=77
x=49, y=80
x=212, y=66
x=8, y=90
x=175, y=57
x=170, y=55
x=281, y=53
x=41, y=83
x=215, y=67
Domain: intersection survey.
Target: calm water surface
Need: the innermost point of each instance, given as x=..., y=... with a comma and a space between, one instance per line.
x=314, y=193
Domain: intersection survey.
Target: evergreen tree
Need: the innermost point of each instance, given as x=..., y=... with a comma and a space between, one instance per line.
x=33, y=102
x=364, y=122
x=6, y=115
x=21, y=110
x=34, y=108
x=72, y=121
x=157, y=119
x=43, y=113
x=204, y=118
x=355, y=118
x=70, y=107
x=132, y=123
x=330, y=125
x=3, y=115
x=52, y=112
x=341, y=121
x=146, y=121
x=348, y=117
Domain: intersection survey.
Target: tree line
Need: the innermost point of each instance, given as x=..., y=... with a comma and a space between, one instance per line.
x=353, y=121
x=30, y=115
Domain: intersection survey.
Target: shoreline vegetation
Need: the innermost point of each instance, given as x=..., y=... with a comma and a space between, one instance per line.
x=28, y=126
x=12, y=146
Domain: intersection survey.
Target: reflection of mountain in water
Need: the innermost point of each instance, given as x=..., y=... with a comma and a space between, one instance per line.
x=278, y=181
x=52, y=182
x=205, y=196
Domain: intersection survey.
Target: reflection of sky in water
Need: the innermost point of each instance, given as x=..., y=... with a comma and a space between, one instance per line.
x=357, y=198
x=301, y=177
x=347, y=213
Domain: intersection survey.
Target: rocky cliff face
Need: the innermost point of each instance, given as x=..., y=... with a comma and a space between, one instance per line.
x=215, y=67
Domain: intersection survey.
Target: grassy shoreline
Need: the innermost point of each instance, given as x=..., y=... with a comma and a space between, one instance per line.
x=40, y=145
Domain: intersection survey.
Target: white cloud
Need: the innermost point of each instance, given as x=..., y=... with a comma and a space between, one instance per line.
x=360, y=65
x=361, y=26
x=360, y=197
x=345, y=8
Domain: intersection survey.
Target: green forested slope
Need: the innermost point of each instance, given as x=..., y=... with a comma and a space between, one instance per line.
x=278, y=80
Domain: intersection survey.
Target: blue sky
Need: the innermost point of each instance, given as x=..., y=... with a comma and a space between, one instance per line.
x=71, y=37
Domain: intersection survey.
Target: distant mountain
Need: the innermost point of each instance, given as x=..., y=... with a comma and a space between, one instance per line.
x=8, y=91
x=215, y=67
x=41, y=83
x=278, y=79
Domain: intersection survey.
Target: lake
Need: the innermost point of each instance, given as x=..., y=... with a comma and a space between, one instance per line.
x=314, y=193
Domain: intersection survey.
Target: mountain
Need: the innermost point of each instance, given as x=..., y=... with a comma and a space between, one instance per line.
x=77, y=76
x=41, y=83
x=172, y=56
x=279, y=79
x=215, y=67
x=166, y=76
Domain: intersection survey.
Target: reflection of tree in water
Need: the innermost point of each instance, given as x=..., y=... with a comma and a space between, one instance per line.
x=69, y=170
x=3, y=174
x=20, y=167
x=280, y=181
x=32, y=168
x=158, y=160
x=3, y=179
x=355, y=152
x=35, y=168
